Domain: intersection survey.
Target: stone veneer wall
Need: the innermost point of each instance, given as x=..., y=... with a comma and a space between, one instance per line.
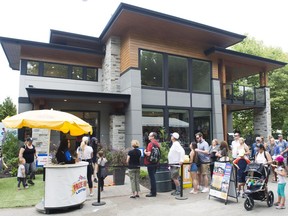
x=262, y=118
x=111, y=66
x=117, y=131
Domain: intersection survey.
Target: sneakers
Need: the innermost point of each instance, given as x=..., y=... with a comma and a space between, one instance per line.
x=276, y=204
x=30, y=182
x=95, y=180
x=205, y=190
x=280, y=207
x=238, y=193
x=26, y=186
x=175, y=193
x=91, y=194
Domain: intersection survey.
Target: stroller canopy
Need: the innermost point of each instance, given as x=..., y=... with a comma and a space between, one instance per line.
x=256, y=168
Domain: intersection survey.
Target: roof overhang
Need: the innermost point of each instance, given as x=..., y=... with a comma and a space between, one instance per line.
x=240, y=65
x=36, y=94
x=129, y=18
x=14, y=50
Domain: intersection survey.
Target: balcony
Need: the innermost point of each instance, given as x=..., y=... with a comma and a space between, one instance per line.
x=244, y=96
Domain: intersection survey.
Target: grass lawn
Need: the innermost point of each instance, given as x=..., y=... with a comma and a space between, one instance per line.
x=11, y=197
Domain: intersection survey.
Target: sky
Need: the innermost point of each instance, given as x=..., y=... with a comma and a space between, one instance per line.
x=264, y=20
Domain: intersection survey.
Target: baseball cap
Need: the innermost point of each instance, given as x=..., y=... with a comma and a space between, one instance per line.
x=241, y=152
x=175, y=135
x=258, y=138
x=279, y=158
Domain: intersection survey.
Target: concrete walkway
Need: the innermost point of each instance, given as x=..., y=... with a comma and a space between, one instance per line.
x=118, y=203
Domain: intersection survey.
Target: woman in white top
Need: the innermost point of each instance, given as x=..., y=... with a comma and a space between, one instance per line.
x=263, y=157
x=85, y=153
x=243, y=146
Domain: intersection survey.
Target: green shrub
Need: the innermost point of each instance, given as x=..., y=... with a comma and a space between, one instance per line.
x=13, y=166
x=143, y=174
x=10, y=148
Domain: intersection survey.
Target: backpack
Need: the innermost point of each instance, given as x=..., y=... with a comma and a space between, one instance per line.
x=154, y=157
x=68, y=155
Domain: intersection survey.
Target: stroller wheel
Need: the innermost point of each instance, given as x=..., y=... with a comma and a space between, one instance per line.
x=270, y=198
x=249, y=204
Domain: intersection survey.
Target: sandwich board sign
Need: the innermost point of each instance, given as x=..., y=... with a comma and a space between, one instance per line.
x=223, y=184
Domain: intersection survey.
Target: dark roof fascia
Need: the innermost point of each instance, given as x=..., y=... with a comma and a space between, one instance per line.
x=73, y=35
x=53, y=46
x=10, y=65
x=57, y=94
x=244, y=55
x=167, y=17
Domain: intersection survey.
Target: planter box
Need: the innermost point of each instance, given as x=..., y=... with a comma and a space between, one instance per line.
x=163, y=180
x=119, y=176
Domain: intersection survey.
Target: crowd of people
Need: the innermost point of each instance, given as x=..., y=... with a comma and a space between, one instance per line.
x=202, y=158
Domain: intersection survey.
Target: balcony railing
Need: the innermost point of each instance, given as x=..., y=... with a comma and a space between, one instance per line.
x=236, y=94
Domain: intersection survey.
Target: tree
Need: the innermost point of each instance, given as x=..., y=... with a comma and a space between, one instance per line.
x=277, y=81
x=7, y=108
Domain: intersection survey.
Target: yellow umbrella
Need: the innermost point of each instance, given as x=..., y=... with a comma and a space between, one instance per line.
x=49, y=119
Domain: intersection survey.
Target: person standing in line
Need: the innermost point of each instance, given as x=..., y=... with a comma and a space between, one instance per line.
x=21, y=175
x=203, y=156
x=94, y=145
x=101, y=169
x=243, y=146
x=28, y=152
x=235, y=145
x=151, y=168
x=281, y=172
x=133, y=161
x=175, y=159
x=86, y=153
x=213, y=149
x=193, y=169
x=255, y=147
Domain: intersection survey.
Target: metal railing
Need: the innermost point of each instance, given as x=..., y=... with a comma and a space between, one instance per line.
x=237, y=94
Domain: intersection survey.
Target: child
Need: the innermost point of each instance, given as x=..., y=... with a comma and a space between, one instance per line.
x=281, y=172
x=21, y=176
x=101, y=169
x=241, y=164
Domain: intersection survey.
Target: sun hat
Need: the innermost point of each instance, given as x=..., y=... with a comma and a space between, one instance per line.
x=279, y=158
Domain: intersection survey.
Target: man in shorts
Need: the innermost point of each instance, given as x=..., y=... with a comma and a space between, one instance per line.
x=204, y=158
x=175, y=158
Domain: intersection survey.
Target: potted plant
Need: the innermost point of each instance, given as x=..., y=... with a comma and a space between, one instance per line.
x=117, y=164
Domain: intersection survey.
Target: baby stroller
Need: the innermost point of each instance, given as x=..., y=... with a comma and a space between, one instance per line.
x=256, y=185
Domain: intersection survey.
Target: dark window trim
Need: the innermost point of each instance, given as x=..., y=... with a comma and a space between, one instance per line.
x=41, y=70
x=166, y=73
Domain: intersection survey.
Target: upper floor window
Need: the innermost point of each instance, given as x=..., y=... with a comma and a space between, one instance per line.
x=55, y=70
x=151, y=68
x=201, y=76
x=92, y=74
x=178, y=72
x=77, y=73
x=33, y=68
x=48, y=69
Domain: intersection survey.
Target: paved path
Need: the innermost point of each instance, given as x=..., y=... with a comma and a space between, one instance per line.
x=118, y=203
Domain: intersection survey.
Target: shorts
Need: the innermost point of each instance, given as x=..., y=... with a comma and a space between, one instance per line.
x=194, y=167
x=241, y=176
x=281, y=189
x=174, y=172
x=204, y=169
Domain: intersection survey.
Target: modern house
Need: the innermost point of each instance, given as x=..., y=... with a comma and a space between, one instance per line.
x=147, y=70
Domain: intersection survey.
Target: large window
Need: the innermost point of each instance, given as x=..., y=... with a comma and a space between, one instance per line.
x=202, y=123
x=178, y=72
x=151, y=69
x=201, y=76
x=173, y=72
x=152, y=121
x=55, y=70
x=179, y=122
x=33, y=68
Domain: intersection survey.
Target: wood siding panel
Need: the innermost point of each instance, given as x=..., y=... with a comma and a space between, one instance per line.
x=60, y=56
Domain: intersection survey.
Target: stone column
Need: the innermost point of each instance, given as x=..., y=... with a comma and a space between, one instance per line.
x=117, y=131
x=111, y=66
x=217, y=111
x=262, y=117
